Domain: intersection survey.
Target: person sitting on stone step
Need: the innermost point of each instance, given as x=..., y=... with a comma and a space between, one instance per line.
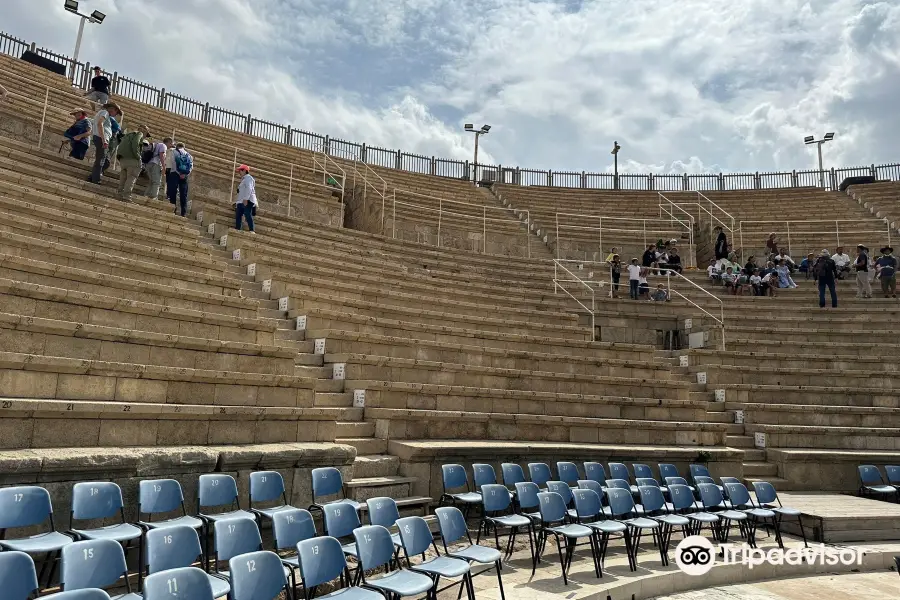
x=842, y=261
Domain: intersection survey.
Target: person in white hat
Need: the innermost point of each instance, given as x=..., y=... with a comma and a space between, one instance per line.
x=863, y=286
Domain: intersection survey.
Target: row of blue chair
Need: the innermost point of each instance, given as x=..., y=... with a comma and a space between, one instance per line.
x=872, y=483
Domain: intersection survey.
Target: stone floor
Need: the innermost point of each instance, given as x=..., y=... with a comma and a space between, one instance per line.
x=873, y=586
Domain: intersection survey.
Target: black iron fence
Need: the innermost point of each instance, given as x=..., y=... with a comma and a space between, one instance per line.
x=79, y=73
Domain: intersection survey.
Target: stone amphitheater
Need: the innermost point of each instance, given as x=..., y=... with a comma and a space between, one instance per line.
x=358, y=330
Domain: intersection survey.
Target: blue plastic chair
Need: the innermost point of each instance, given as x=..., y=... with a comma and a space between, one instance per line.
x=29, y=506
x=568, y=473
x=89, y=594
x=215, y=490
x=483, y=474
x=595, y=472
x=893, y=475
x=540, y=474
x=18, y=577
x=321, y=561
x=328, y=481
x=103, y=500
x=619, y=484
x=871, y=483
x=512, y=474
x=527, y=501
x=258, y=576
x=496, y=506
x=341, y=519
x=714, y=502
x=641, y=470
x=641, y=481
x=622, y=508
x=95, y=564
x=698, y=470
x=596, y=487
x=376, y=549
x=553, y=518
x=161, y=496
x=683, y=503
x=767, y=497
x=178, y=547
x=452, y=526
x=739, y=499
x=184, y=583
x=267, y=487
x=417, y=539
x=589, y=512
x=289, y=528
x=620, y=471
x=454, y=477
x=654, y=507
x=383, y=511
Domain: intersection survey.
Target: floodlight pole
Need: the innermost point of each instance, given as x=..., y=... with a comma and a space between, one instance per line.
x=821, y=168
x=78, y=43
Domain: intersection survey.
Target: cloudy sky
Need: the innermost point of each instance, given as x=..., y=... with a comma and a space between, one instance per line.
x=683, y=85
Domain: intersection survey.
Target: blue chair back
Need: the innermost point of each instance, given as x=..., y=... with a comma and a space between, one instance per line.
x=340, y=519
x=539, y=473
x=893, y=473
x=96, y=500
x=23, y=506
x=699, y=470
x=454, y=477
x=292, y=526
x=681, y=495
x=256, y=576
x=321, y=560
x=643, y=471
x=159, y=496
x=18, y=578
x=619, y=471
x=483, y=474
x=562, y=489
x=590, y=484
x=704, y=479
x=217, y=489
x=621, y=503
x=670, y=481
x=765, y=492
x=726, y=479
x=651, y=498
x=236, y=536
x=587, y=503
x=326, y=481
x=90, y=594
x=553, y=507
x=667, y=470
x=374, y=547
x=568, y=472
x=595, y=472
x=646, y=481
x=710, y=496
x=415, y=535
x=495, y=498
x=527, y=495
x=512, y=474
x=451, y=524
x=186, y=583
x=266, y=486
x=172, y=548
x=383, y=511
x=870, y=475
x=738, y=494
x=620, y=484
x=92, y=564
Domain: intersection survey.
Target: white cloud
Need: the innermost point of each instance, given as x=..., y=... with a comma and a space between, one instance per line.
x=683, y=85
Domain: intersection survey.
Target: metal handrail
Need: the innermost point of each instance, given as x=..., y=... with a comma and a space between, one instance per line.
x=725, y=212
x=556, y=286
x=720, y=319
x=674, y=205
x=836, y=231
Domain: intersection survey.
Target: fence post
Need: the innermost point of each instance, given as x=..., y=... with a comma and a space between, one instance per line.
x=327, y=148
x=87, y=69
x=550, y=177
x=206, y=113
x=288, y=135
x=466, y=171
x=833, y=179
x=685, y=183
x=33, y=46
x=794, y=178
x=397, y=160
x=721, y=182
x=115, y=83
x=650, y=181
x=363, y=153
x=247, y=124
x=161, y=103
x=874, y=172
x=756, y=184
x=583, y=180
x=432, y=166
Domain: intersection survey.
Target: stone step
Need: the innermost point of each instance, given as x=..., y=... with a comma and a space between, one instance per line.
x=358, y=429
x=719, y=417
x=313, y=371
x=365, y=445
x=374, y=465
x=339, y=399
x=292, y=335
x=257, y=294
x=329, y=385
x=754, y=455
x=392, y=486
x=760, y=469
x=781, y=485
x=307, y=358
x=739, y=441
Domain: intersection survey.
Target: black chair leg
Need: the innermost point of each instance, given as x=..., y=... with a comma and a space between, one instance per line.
x=802, y=532
x=562, y=560
x=499, y=581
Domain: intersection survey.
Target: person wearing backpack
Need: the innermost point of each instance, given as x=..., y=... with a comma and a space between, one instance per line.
x=130, y=164
x=826, y=274
x=182, y=163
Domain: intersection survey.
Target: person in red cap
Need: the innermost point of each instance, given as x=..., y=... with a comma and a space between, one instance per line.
x=79, y=134
x=245, y=202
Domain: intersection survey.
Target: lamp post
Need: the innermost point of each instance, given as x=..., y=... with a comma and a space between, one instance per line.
x=615, y=153
x=95, y=17
x=811, y=139
x=478, y=133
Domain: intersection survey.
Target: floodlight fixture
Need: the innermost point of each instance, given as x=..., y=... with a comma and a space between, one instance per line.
x=469, y=127
x=811, y=139
x=97, y=17
x=829, y=137
x=485, y=128
x=616, y=148
x=71, y=6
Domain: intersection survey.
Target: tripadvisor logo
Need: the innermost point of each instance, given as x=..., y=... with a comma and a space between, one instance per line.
x=695, y=555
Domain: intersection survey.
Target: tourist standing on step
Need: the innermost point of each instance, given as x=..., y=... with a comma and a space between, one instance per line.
x=245, y=202
x=102, y=135
x=99, y=92
x=863, y=286
x=130, y=166
x=721, y=247
x=155, y=167
x=887, y=272
x=177, y=180
x=615, y=272
x=79, y=134
x=634, y=278
x=826, y=273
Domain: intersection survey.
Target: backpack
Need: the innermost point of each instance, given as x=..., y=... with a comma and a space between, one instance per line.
x=184, y=162
x=130, y=146
x=147, y=155
x=821, y=266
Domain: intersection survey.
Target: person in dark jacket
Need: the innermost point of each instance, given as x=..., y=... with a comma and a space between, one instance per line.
x=79, y=134
x=825, y=271
x=721, y=244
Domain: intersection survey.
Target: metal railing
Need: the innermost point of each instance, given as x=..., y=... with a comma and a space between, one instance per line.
x=729, y=219
x=558, y=285
x=826, y=229
x=622, y=225
x=457, y=169
x=720, y=320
